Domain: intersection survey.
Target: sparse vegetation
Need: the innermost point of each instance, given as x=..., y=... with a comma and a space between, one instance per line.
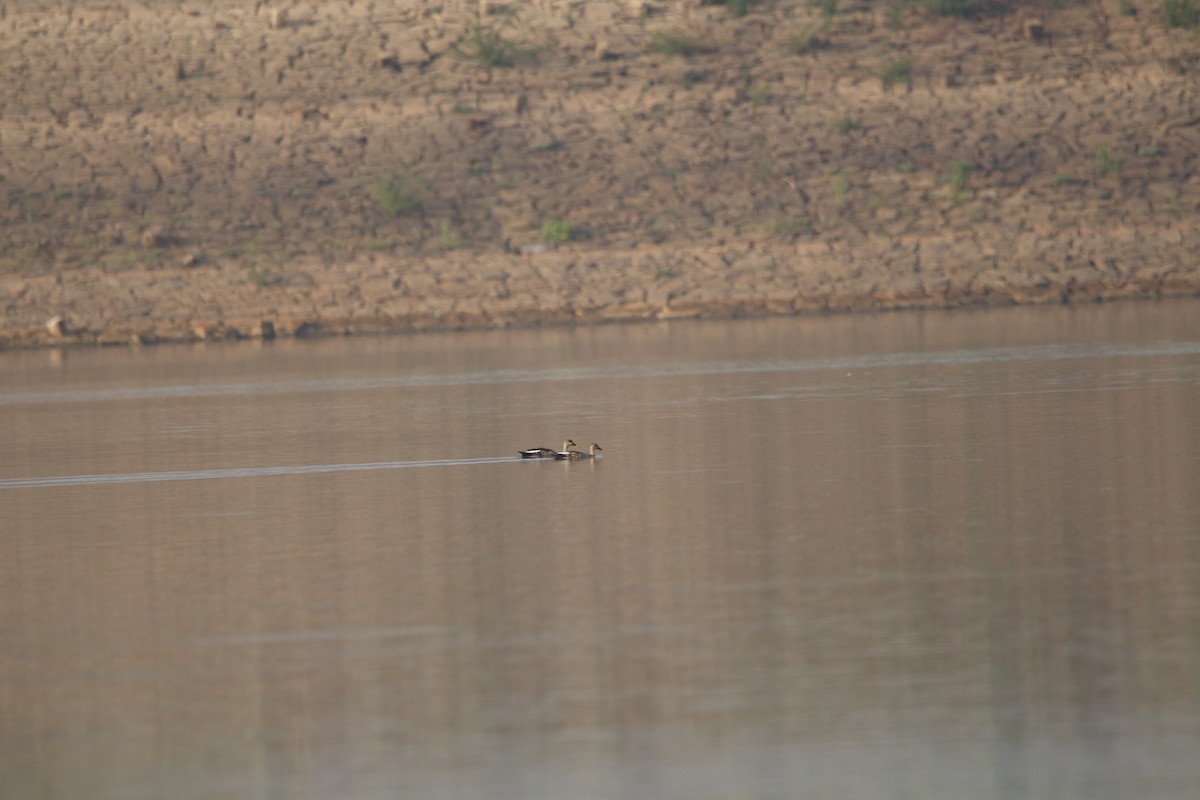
x=846, y=123
x=556, y=230
x=841, y=185
x=678, y=43
x=790, y=227
x=738, y=8
x=488, y=48
x=1181, y=13
x=1150, y=151
x=894, y=72
x=805, y=42
x=263, y=277
x=827, y=8
x=399, y=195
x=375, y=245
x=692, y=77
x=953, y=8
x=960, y=176
x=447, y=238
x=1105, y=165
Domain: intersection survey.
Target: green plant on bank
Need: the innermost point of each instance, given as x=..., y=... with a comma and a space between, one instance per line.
x=556, y=230
x=790, y=227
x=841, y=185
x=463, y=108
x=960, y=176
x=488, y=48
x=264, y=276
x=738, y=8
x=678, y=43
x=759, y=94
x=401, y=194
x=1105, y=165
x=375, y=245
x=662, y=273
x=827, y=8
x=1181, y=13
x=895, y=15
x=480, y=168
x=447, y=239
x=1150, y=151
x=846, y=123
x=894, y=72
x=953, y=8
x=1068, y=180
x=805, y=42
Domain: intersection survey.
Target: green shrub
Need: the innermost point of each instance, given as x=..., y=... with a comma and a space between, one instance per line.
x=953, y=8
x=556, y=230
x=447, y=239
x=678, y=43
x=1181, y=13
x=960, y=175
x=488, y=48
x=894, y=72
x=841, y=185
x=1105, y=164
x=847, y=123
x=738, y=8
x=401, y=194
x=805, y=42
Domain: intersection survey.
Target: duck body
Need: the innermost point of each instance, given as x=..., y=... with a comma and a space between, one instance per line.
x=577, y=455
x=547, y=452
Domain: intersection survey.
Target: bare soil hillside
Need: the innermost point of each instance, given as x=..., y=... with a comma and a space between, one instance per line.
x=226, y=168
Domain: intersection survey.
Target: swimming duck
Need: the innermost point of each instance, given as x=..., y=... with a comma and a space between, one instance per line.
x=576, y=455
x=546, y=452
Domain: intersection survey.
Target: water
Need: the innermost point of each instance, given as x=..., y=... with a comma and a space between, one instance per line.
x=942, y=555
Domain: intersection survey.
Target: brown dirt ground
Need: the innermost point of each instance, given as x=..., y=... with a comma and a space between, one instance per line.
x=182, y=169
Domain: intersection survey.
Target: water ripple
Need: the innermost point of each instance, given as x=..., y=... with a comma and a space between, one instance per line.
x=242, y=472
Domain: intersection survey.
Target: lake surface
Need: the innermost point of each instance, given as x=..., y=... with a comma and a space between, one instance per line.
x=952, y=555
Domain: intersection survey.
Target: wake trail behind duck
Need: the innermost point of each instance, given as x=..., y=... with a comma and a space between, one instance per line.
x=241, y=472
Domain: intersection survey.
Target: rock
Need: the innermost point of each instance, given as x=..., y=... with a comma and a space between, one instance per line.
x=278, y=18
x=265, y=330
x=57, y=326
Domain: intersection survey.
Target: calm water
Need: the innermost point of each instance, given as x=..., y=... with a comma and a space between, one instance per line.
x=903, y=556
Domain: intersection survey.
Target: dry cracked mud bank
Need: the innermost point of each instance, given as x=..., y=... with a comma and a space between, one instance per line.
x=176, y=170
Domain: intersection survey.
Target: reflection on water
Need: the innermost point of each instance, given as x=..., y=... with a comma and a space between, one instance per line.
x=909, y=555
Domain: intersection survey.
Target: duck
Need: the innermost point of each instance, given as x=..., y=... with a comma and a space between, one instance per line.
x=546, y=452
x=576, y=455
